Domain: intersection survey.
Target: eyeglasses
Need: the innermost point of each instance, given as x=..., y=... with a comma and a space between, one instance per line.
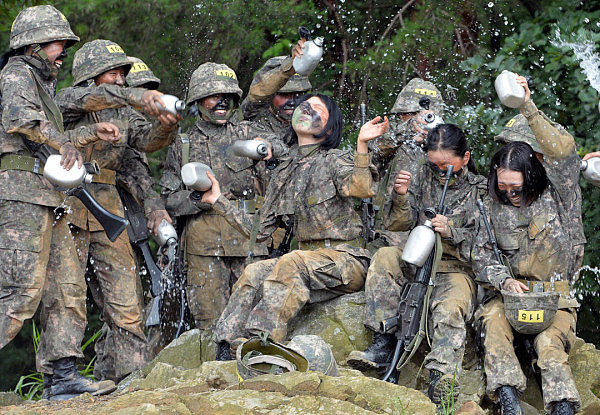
x=441, y=173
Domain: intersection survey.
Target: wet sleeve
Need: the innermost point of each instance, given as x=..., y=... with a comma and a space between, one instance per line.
x=148, y=136
x=134, y=175
x=355, y=176
x=385, y=147
x=242, y=221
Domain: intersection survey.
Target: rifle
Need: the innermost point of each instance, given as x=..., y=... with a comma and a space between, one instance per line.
x=524, y=340
x=138, y=236
x=411, y=308
x=366, y=205
x=284, y=245
x=113, y=225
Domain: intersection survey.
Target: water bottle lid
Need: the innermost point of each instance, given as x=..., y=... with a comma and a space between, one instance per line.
x=179, y=105
x=583, y=165
x=319, y=41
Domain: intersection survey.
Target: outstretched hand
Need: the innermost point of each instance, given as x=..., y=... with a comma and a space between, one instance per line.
x=371, y=130
x=107, y=131
x=212, y=194
x=590, y=155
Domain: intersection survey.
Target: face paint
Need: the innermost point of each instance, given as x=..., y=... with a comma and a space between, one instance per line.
x=306, y=118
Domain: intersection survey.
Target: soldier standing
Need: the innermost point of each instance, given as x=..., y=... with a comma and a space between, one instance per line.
x=101, y=64
x=37, y=253
x=531, y=213
x=215, y=252
x=314, y=187
x=453, y=297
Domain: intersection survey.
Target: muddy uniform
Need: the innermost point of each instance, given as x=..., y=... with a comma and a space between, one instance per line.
x=276, y=76
x=216, y=253
x=112, y=262
x=538, y=243
x=37, y=255
x=454, y=293
x=314, y=187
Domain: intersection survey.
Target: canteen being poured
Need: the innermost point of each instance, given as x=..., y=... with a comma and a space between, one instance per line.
x=173, y=104
x=254, y=149
x=166, y=234
x=312, y=52
x=194, y=176
x=510, y=93
x=60, y=176
x=591, y=170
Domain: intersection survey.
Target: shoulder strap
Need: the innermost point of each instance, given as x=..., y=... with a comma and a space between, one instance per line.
x=49, y=106
x=185, y=148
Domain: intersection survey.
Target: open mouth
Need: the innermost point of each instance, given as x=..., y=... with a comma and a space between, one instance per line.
x=58, y=63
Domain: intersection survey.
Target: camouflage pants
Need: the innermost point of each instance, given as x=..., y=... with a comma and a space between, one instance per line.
x=452, y=305
x=209, y=283
x=38, y=261
x=270, y=293
x=552, y=346
x=116, y=289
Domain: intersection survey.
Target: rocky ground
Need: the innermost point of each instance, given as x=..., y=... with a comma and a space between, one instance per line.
x=183, y=379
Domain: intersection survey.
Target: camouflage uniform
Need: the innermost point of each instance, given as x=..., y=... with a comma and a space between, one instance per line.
x=314, y=187
x=538, y=243
x=38, y=261
x=216, y=253
x=276, y=76
x=112, y=262
x=518, y=129
x=454, y=294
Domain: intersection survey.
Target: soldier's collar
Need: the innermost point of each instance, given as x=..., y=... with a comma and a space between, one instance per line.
x=308, y=149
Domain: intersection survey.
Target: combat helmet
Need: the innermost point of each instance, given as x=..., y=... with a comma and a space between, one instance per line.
x=317, y=352
x=96, y=57
x=260, y=356
x=518, y=129
x=296, y=83
x=530, y=312
x=412, y=96
x=141, y=75
x=40, y=24
x=210, y=79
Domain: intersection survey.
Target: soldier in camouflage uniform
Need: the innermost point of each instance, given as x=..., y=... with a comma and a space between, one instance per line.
x=517, y=129
x=453, y=298
x=314, y=187
x=97, y=65
x=215, y=252
x=270, y=101
x=531, y=212
x=37, y=254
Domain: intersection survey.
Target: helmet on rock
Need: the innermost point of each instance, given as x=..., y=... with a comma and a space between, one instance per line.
x=317, y=352
x=40, y=24
x=532, y=312
x=96, y=57
x=261, y=356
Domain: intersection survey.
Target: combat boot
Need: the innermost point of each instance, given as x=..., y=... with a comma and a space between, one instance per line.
x=68, y=383
x=509, y=401
x=443, y=389
x=377, y=356
x=563, y=408
x=223, y=352
x=47, y=386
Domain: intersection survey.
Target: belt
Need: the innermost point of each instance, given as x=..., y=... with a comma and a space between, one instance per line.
x=105, y=176
x=330, y=243
x=19, y=162
x=249, y=206
x=561, y=287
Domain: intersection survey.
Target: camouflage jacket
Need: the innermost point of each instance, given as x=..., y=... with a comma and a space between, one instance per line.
x=134, y=175
x=257, y=104
x=240, y=178
x=536, y=239
x=80, y=108
x=315, y=187
x=404, y=212
x=396, y=143
x=23, y=116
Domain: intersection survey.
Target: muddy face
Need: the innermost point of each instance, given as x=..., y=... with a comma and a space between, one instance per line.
x=310, y=117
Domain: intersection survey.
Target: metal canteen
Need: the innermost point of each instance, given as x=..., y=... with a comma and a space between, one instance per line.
x=432, y=121
x=509, y=92
x=419, y=244
x=166, y=233
x=194, y=176
x=173, y=104
x=60, y=176
x=308, y=61
x=254, y=149
x=591, y=170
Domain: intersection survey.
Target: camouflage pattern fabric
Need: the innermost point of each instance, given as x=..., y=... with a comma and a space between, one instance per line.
x=40, y=24
x=140, y=75
x=538, y=244
x=318, y=353
x=320, y=202
x=212, y=78
x=396, y=149
x=276, y=76
x=96, y=57
x=216, y=251
x=552, y=346
x=134, y=175
x=38, y=261
x=416, y=89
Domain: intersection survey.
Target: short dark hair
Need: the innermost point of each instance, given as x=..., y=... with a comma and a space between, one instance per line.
x=450, y=137
x=518, y=156
x=333, y=129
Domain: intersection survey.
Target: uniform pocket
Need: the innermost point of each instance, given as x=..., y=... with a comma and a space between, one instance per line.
x=507, y=241
x=19, y=257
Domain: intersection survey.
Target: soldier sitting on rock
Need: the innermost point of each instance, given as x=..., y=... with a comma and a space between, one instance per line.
x=314, y=187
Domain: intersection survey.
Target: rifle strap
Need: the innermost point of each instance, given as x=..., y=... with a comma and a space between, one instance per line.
x=412, y=347
x=253, y=235
x=185, y=148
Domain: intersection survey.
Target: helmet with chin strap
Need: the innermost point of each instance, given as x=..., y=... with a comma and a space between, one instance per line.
x=38, y=25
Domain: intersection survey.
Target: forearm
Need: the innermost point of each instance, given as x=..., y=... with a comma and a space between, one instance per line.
x=153, y=137
x=76, y=101
x=265, y=89
x=555, y=142
x=359, y=183
x=398, y=215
